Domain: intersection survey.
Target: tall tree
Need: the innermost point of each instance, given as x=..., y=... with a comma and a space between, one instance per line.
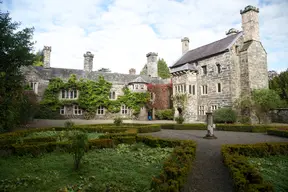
x=15, y=51
x=38, y=58
x=280, y=85
x=163, y=70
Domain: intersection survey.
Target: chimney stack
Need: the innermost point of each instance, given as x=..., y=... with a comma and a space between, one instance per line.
x=46, y=56
x=132, y=71
x=185, y=45
x=250, y=23
x=88, y=61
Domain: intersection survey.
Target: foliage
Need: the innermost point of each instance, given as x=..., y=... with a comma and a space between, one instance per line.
x=161, y=96
x=225, y=115
x=165, y=114
x=163, y=70
x=125, y=168
x=92, y=94
x=279, y=84
x=38, y=59
x=69, y=124
x=179, y=119
x=281, y=131
x=195, y=126
x=79, y=146
x=118, y=121
x=180, y=100
x=245, y=176
x=15, y=52
x=273, y=169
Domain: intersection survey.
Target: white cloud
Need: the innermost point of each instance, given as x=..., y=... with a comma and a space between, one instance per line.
x=120, y=33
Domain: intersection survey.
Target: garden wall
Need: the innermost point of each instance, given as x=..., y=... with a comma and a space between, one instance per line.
x=279, y=115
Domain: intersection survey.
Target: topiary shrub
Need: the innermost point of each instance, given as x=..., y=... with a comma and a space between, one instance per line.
x=166, y=114
x=79, y=146
x=69, y=124
x=179, y=120
x=118, y=121
x=225, y=115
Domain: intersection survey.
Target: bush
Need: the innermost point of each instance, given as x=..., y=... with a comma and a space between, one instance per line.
x=79, y=146
x=200, y=126
x=118, y=121
x=149, y=129
x=245, y=176
x=166, y=114
x=225, y=115
x=281, y=132
x=69, y=124
x=242, y=128
x=179, y=120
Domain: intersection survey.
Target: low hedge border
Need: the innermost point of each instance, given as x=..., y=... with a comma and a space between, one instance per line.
x=178, y=165
x=245, y=176
x=200, y=126
x=281, y=132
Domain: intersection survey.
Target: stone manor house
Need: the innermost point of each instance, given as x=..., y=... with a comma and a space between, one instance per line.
x=210, y=77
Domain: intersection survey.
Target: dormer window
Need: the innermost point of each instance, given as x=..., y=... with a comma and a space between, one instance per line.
x=112, y=95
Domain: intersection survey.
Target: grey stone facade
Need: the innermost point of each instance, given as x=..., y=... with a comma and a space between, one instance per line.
x=222, y=71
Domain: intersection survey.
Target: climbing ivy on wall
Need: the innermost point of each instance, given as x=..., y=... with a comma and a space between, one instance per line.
x=92, y=94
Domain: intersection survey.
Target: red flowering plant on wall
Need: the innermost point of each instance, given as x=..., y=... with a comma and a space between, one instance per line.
x=160, y=96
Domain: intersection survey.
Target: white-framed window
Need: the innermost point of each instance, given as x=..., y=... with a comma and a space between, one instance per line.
x=219, y=88
x=77, y=110
x=100, y=110
x=213, y=107
x=204, y=90
x=34, y=86
x=141, y=86
x=184, y=88
x=218, y=66
x=201, y=110
x=136, y=86
x=69, y=94
x=193, y=89
x=124, y=109
x=62, y=110
x=112, y=95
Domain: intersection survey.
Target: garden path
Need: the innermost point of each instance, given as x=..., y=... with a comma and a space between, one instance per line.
x=209, y=173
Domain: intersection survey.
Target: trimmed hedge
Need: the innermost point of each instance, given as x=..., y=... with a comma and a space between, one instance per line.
x=281, y=132
x=245, y=176
x=149, y=129
x=242, y=128
x=178, y=165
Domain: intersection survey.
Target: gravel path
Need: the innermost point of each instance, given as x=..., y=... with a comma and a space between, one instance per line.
x=209, y=173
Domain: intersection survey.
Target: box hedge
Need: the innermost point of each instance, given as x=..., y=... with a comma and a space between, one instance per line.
x=200, y=126
x=281, y=132
x=245, y=176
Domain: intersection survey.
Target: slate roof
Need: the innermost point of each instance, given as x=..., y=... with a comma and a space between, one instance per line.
x=138, y=80
x=49, y=73
x=208, y=50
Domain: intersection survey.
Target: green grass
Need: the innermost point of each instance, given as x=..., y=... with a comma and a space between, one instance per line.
x=125, y=168
x=273, y=169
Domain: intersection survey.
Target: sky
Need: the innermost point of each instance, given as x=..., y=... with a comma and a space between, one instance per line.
x=121, y=32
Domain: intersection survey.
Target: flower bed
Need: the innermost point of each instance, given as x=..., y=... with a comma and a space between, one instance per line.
x=245, y=176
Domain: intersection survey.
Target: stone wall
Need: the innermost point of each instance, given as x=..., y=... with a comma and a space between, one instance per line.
x=279, y=115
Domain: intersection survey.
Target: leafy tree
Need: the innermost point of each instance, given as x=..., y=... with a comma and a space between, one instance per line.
x=38, y=59
x=280, y=85
x=260, y=103
x=106, y=70
x=163, y=70
x=15, y=51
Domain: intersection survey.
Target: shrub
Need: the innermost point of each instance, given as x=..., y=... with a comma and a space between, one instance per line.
x=118, y=121
x=179, y=120
x=242, y=128
x=165, y=114
x=69, y=124
x=149, y=129
x=79, y=146
x=281, y=132
x=225, y=115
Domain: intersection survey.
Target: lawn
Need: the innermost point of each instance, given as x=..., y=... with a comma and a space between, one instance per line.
x=125, y=168
x=273, y=169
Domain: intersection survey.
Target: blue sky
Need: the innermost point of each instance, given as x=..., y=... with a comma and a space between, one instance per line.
x=120, y=32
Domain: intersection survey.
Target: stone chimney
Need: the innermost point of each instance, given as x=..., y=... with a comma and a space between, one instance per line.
x=152, y=65
x=46, y=56
x=185, y=45
x=250, y=23
x=132, y=71
x=88, y=61
x=232, y=31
